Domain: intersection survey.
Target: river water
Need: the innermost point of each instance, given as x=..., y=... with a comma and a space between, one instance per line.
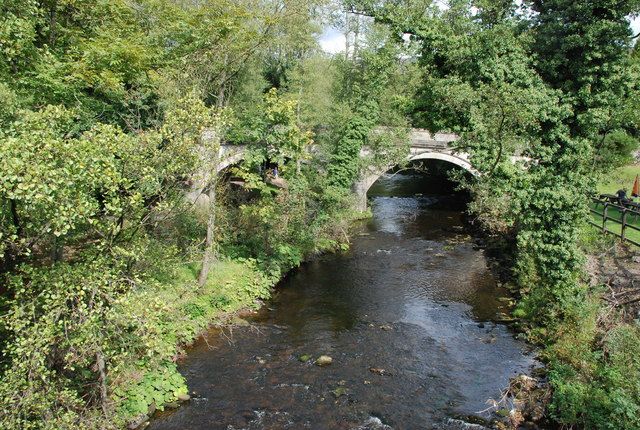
x=406, y=316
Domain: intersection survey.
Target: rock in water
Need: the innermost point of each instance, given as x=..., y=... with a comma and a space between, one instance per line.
x=454, y=424
x=324, y=360
x=374, y=423
x=339, y=392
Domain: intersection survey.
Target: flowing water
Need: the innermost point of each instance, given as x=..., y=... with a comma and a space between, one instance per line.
x=406, y=316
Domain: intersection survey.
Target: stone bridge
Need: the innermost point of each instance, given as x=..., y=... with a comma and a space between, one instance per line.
x=423, y=146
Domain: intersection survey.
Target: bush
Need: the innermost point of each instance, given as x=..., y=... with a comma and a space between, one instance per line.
x=595, y=377
x=62, y=319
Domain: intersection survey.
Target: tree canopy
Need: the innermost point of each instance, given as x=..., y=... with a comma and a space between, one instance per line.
x=103, y=109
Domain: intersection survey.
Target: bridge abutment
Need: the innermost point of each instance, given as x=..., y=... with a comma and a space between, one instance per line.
x=359, y=190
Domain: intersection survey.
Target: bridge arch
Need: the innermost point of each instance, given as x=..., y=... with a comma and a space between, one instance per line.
x=460, y=160
x=362, y=186
x=230, y=155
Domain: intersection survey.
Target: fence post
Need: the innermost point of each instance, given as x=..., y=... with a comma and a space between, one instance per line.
x=624, y=222
x=604, y=217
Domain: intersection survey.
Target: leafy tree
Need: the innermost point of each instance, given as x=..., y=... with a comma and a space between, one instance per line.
x=582, y=49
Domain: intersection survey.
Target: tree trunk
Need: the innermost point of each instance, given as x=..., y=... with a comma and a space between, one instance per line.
x=209, y=253
x=52, y=24
x=356, y=35
x=346, y=35
x=57, y=250
x=14, y=216
x=103, y=383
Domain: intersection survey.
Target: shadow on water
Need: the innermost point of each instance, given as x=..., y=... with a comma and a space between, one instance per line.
x=405, y=315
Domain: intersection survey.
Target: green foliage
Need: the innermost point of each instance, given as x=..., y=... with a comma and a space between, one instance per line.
x=361, y=88
x=601, y=391
x=103, y=109
x=61, y=186
x=616, y=149
x=345, y=159
x=57, y=323
x=61, y=317
x=587, y=58
x=312, y=83
x=555, y=85
x=157, y=387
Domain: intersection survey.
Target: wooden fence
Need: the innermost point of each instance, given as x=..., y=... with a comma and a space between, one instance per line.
x=622, y=217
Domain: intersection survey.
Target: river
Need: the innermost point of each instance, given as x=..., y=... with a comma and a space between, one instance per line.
x=406, y=315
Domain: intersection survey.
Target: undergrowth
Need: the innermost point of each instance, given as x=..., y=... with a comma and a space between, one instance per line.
x=592, y=355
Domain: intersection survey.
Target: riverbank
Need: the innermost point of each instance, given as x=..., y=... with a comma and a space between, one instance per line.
x=408, y=316
x=179, y=313
x=591, y=355
x=176, y=314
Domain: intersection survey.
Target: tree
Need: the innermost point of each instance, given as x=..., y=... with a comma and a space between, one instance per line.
x=582, y=49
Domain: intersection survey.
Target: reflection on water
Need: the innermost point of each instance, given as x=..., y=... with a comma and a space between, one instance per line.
x=405, y=315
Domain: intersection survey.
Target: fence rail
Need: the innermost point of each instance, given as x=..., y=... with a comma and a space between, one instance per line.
x=623, y=212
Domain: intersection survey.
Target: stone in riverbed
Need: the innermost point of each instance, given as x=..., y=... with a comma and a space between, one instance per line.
x=304, y=358
x=324, y=360
x=456, y=424
x=339, y=392
x=183, y=397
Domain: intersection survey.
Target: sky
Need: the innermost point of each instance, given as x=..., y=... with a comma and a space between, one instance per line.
x=332, y=40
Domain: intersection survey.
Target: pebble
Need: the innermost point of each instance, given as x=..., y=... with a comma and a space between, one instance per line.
x=324, y=360
x=339, y=392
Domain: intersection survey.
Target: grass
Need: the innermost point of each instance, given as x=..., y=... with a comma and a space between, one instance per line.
x=614, y=226
x=621, y=177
